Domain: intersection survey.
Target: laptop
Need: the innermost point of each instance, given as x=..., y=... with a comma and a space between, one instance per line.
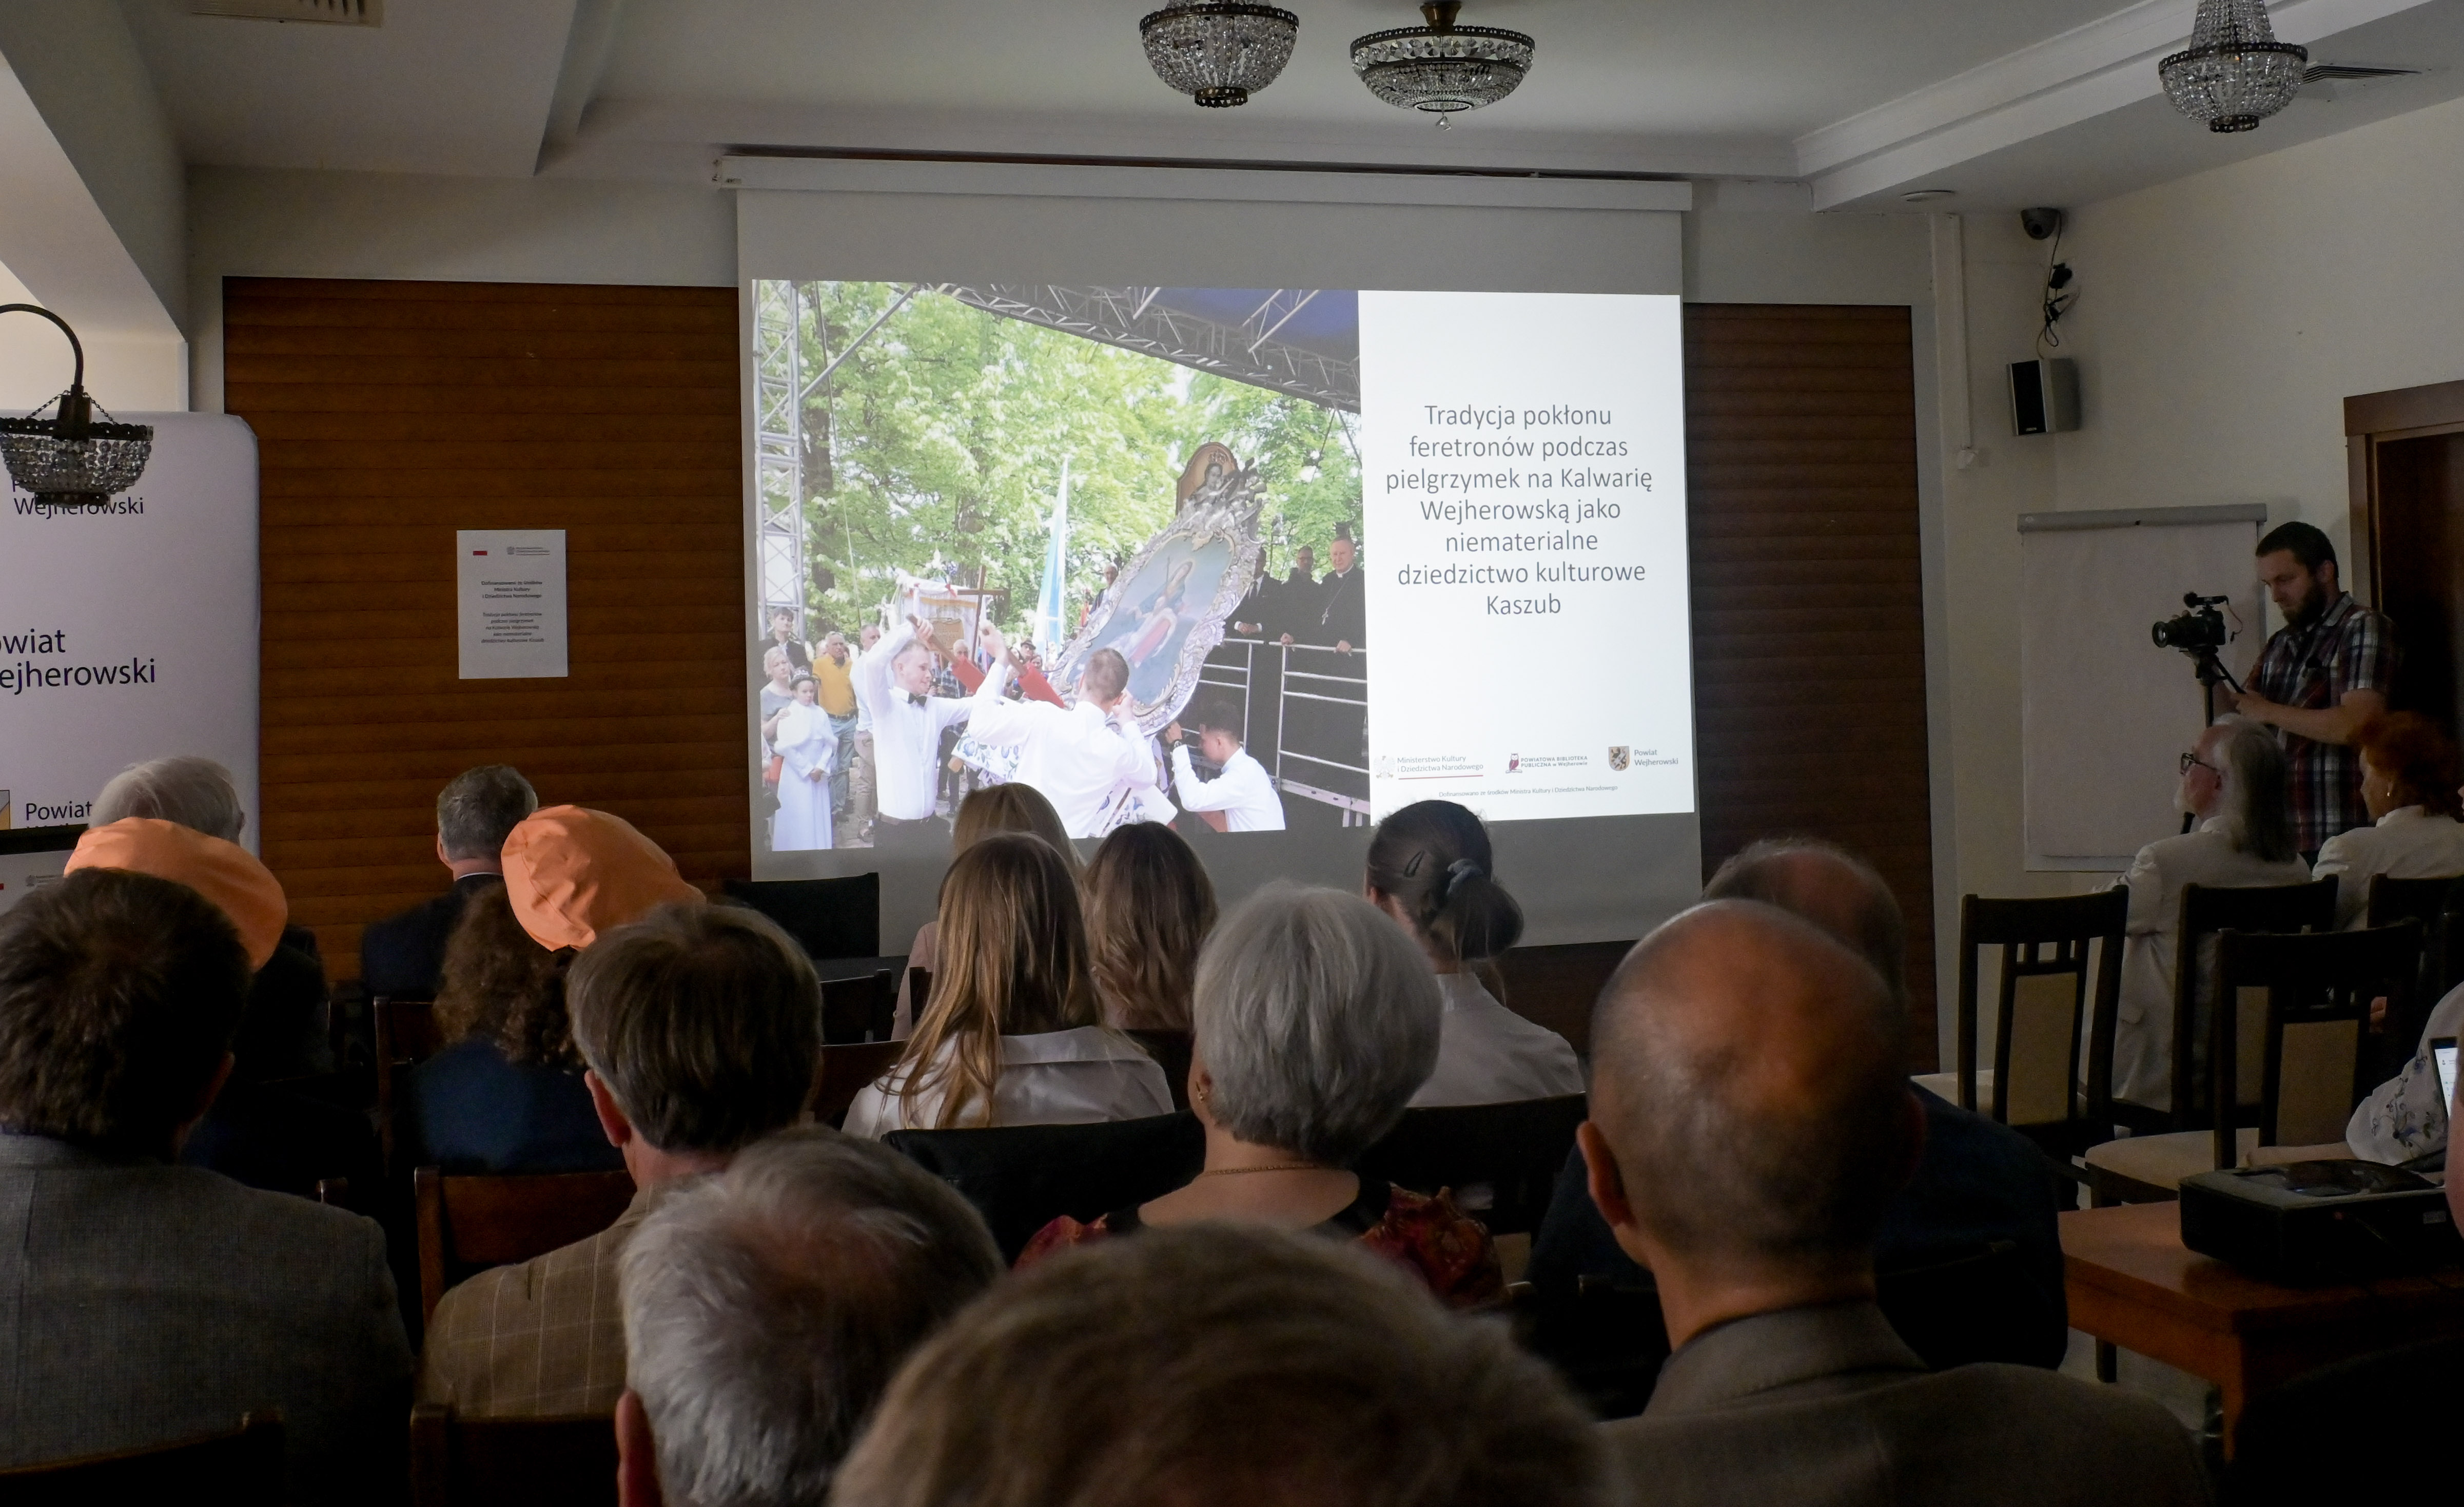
x=2442, y=1052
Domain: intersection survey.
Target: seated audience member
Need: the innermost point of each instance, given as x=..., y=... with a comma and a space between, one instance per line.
x=1315, y=1022
x=1431, y=870
x=1011, y=1035
x=404, y=955
x=1149, y=908
x=284, y=1033
x=2406, y=1116
x=1222, y=1367
x=148, y=1303
x=260, y=1131
x=2409, y=778
x=2233, y=781
x=1978, y=1186
x=1750, y=1122
x=701, y=1025
x=1243, y=798
x=994, y=808
x=766, y=1309
x=506, y=1095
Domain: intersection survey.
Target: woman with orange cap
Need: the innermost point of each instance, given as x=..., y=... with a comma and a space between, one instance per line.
x=506, y=1094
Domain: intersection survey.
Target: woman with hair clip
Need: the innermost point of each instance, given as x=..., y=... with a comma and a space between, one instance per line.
x=1149, y=908
x=1010, y=1035
x=1431, y=869
x=994, y=808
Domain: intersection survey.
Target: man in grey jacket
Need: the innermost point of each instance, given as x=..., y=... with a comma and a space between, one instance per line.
x=142, y=1302
x=1749, y=1123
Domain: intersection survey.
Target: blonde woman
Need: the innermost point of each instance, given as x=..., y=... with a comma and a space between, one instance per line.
x=1149, y=908
x=1010, y=1035
x=994, y=808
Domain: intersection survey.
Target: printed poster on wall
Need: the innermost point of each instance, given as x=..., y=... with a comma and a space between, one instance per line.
x=510, y=589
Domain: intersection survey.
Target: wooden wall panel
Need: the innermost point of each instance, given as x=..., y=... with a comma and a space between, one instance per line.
x=1809, y=611
x=387, y=416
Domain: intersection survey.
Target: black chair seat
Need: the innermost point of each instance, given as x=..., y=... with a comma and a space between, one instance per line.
x=831, y=917
x=1022, y=1177
x=1500, y=1160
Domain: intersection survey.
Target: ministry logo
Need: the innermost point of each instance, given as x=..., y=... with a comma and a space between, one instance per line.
x=1619, y=756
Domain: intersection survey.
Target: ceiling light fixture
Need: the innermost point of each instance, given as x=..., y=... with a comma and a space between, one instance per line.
x=2235, y=73
x=1219, y=52
x=1441, y=69
x=69, y=460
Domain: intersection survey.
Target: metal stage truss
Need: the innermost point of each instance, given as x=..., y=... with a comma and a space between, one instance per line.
x=1305, y=713
x=1144, y=321
x=781, y=388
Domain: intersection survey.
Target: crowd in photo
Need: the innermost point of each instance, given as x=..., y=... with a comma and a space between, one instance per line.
x=1123, y=1206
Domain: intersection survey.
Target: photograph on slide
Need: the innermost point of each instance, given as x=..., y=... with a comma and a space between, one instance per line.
x=1073, y=494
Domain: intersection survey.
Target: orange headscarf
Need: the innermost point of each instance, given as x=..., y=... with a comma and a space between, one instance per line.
x=224, y=872
x=572, y=873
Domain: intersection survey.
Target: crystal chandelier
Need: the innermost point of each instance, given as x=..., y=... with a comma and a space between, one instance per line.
x=2235, y=73
x=1219, y=52
x=1442, y=68
x=69, y=460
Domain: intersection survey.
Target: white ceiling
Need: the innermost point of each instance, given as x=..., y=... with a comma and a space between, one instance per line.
x=2005, y=100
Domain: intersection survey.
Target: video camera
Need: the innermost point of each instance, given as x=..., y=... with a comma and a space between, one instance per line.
x=2197, y=632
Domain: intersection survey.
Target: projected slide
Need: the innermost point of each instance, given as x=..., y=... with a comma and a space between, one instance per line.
x=1132, y=546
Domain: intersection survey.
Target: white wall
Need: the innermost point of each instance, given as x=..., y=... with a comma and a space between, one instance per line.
x=246, y=223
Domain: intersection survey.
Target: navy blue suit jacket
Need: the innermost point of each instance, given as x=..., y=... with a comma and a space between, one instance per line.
x=403, y=955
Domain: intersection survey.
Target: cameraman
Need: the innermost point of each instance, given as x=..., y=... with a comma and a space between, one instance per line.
x=2322, y=674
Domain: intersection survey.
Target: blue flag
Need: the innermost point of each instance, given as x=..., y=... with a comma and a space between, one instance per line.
x=1050, y=629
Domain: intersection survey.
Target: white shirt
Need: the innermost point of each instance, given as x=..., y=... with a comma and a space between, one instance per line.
x=906, y=738
x=1488, y=1054
x=2143, y=1036
x=1074, y=756
x=1244, y=792
x=2405, y=1115
x=2407, y=843
x=1060, y=1077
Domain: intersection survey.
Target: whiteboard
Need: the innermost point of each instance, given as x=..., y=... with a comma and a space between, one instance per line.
x=2104, y=714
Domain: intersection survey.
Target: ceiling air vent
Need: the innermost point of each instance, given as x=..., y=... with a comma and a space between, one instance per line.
x=329, y=13
x=2336, y=73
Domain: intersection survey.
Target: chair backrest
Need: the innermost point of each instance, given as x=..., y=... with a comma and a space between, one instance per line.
x=860, y=1009
x=2281, y=909
x=468, y=1223
x=510, y=1462
x=2043, y=1012
x=1500, y=1160
x=1022, y=1177
x=832, y=917
x=844, y=1071
x=1171, y=1050
x=2438, y=905
x=243, y=1466
x=407, y=1033
x=2307, y=1063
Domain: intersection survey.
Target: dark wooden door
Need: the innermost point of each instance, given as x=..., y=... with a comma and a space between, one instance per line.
x=2420, y=586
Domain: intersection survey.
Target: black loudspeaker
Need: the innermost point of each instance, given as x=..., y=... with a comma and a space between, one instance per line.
x=2044, y=396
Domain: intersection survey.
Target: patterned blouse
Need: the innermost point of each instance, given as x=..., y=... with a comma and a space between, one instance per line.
x=1445, y=1248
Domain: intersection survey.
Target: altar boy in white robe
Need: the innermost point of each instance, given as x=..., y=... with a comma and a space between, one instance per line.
x=1083, y=758
x=808, y=748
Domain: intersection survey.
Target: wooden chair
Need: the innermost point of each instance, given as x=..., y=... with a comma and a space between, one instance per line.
x=468, y=1222
x=1500, y=1160
x=1171, y=1050
x=2207, y=911
x=2438, y=906
x=237, y=1468
x=844, y=1071
x=406, y=1035
x=858, y=1009
x=831, y=917
x=2043, y=1016
x=510, y=1462
x=2288, y=1061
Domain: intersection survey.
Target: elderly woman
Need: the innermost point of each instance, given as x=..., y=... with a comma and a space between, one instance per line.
x=1010, y=1035
x=1431, y=872
x=1149, y=908
x=2408, y=786
x=1316, y=1019
x=506, y=1094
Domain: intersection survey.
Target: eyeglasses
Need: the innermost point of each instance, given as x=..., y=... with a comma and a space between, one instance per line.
x=2191, y=761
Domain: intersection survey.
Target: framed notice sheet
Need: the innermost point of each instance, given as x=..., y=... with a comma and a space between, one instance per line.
x=510, y=589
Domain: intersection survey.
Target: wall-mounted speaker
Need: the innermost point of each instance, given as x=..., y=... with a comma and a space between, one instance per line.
x=2044, y=396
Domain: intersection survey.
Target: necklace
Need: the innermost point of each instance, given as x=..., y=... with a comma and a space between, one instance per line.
x=1271, y=1166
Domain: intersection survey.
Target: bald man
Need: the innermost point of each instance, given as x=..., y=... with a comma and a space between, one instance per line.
x=1750, y=1122
x=1971, y=1243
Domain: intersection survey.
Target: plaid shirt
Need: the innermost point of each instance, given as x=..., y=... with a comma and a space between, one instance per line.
x=2346, y=648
